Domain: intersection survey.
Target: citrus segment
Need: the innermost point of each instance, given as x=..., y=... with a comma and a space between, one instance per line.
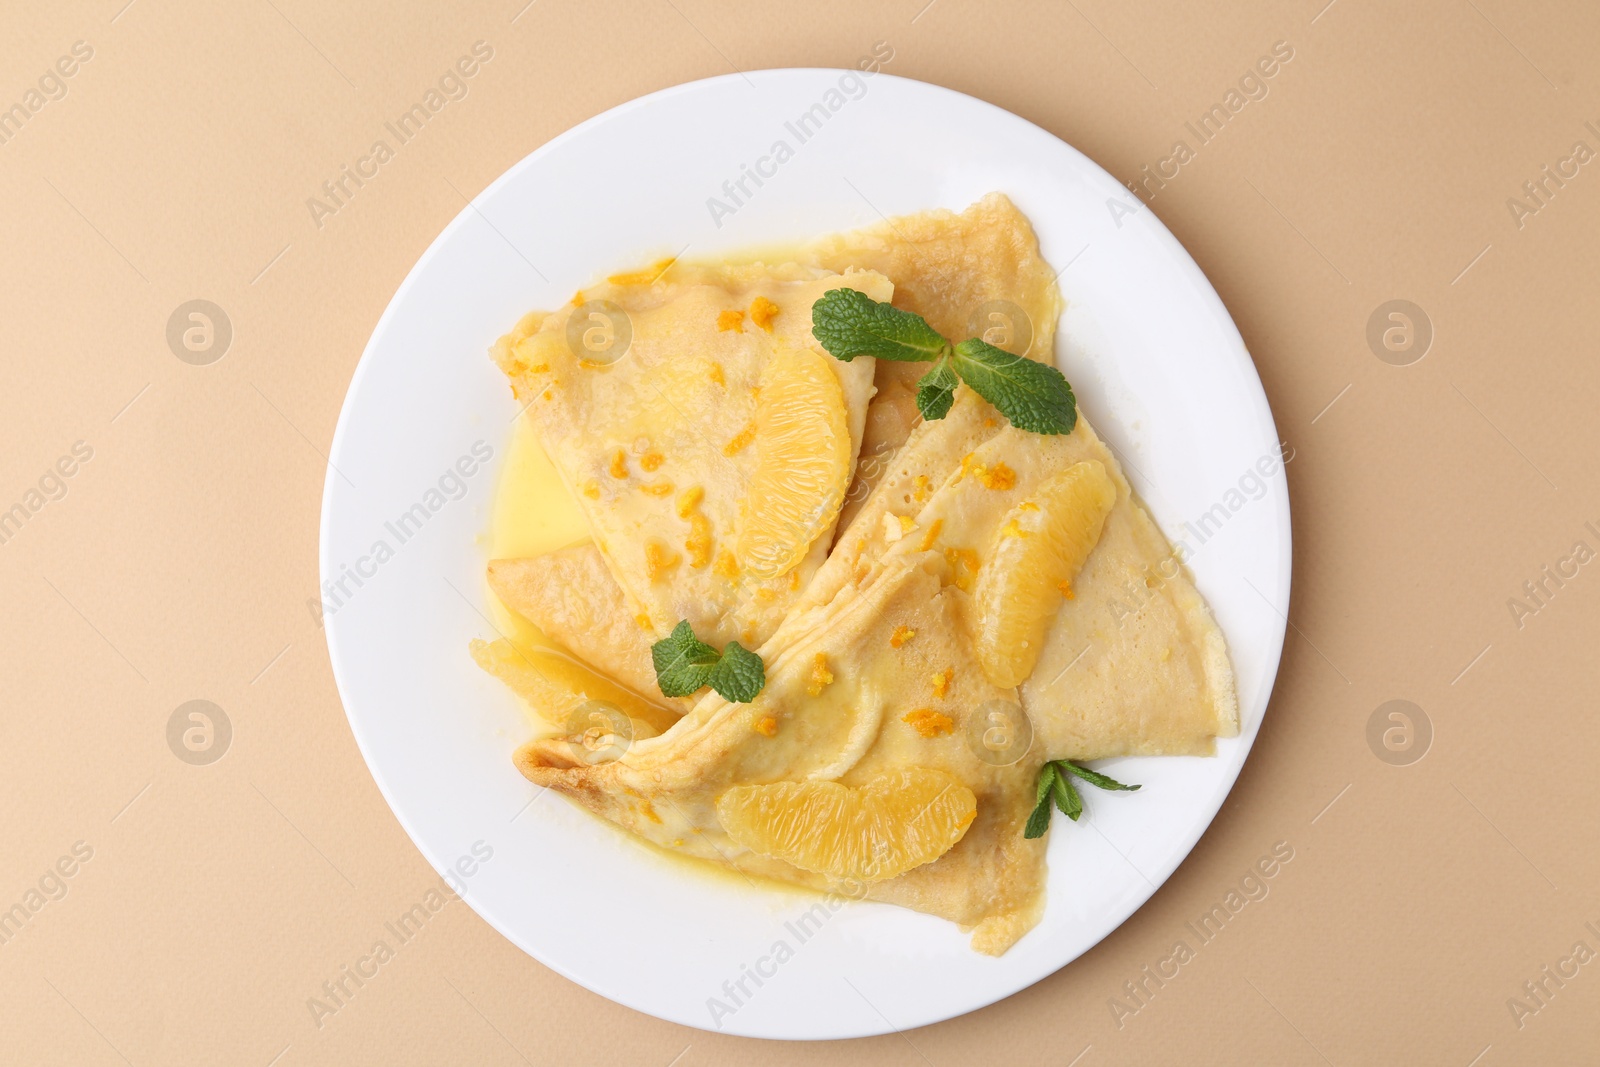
x=555, y=686
x=893, y=823
x=1042, y=544
x=802, y=462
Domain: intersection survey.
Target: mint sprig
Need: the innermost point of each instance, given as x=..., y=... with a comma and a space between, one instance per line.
x=1055, y=787
x=1033, y=396
x=685, y=664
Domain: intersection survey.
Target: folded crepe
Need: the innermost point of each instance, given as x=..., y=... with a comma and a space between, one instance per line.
x=708, y=501
x=882, y=690
x=1130, y=663
x=883, y=664
x=973, y=273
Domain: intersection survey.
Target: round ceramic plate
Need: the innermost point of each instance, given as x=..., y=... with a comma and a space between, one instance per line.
x=1158, y=367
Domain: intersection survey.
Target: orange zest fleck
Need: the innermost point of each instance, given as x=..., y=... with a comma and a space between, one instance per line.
x=689, y=499
x=648, y=276
x=766, y=726
x=930, y=723
x=699, y=543
x=1066, y=589
x=999, y=476
x=762, y=312
x=726, y=566
x=901, y=635
x=941, y=681
x=920, y=487
x=730, y=320
x=740, y=440
x=931, y=536
x=659, y=559
x=821, y=676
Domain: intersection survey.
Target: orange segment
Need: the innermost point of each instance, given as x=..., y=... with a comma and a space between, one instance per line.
x=555, y=686
x=892, y=824
x=1042, y=544
x=802, y=462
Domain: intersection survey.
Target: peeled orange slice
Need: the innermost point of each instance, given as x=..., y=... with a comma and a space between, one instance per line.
x=882, y=829
x=802, y=462
x=555, y=686
x=1042, y=544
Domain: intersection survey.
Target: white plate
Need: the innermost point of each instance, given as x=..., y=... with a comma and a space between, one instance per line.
x=1158, y=367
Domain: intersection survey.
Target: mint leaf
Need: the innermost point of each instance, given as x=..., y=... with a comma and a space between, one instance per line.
x=1094, y=778
x=1055, y=787
x=683, y=662
x=936, y=391
x=849, y=323
x=1065, y=794
x=740, y=675
x=1047, y=779
x=1033, y=396
x=1039, y=821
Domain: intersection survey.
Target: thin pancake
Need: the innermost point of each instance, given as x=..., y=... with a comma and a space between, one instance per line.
x=852, y=730
x=656, y=445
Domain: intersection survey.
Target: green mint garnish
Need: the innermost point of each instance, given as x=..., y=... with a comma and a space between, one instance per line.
x=685, y=664
x=740, y=675
x=1033, y=396
x=1055, y=787
x=936, y=391
x=849, y=323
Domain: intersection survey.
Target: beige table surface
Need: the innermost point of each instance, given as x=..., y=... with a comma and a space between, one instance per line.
x=207, y=904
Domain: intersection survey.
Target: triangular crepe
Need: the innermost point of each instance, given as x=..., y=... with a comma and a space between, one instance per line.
x=652, y=429
x=573, y=600
x=1133, y=664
